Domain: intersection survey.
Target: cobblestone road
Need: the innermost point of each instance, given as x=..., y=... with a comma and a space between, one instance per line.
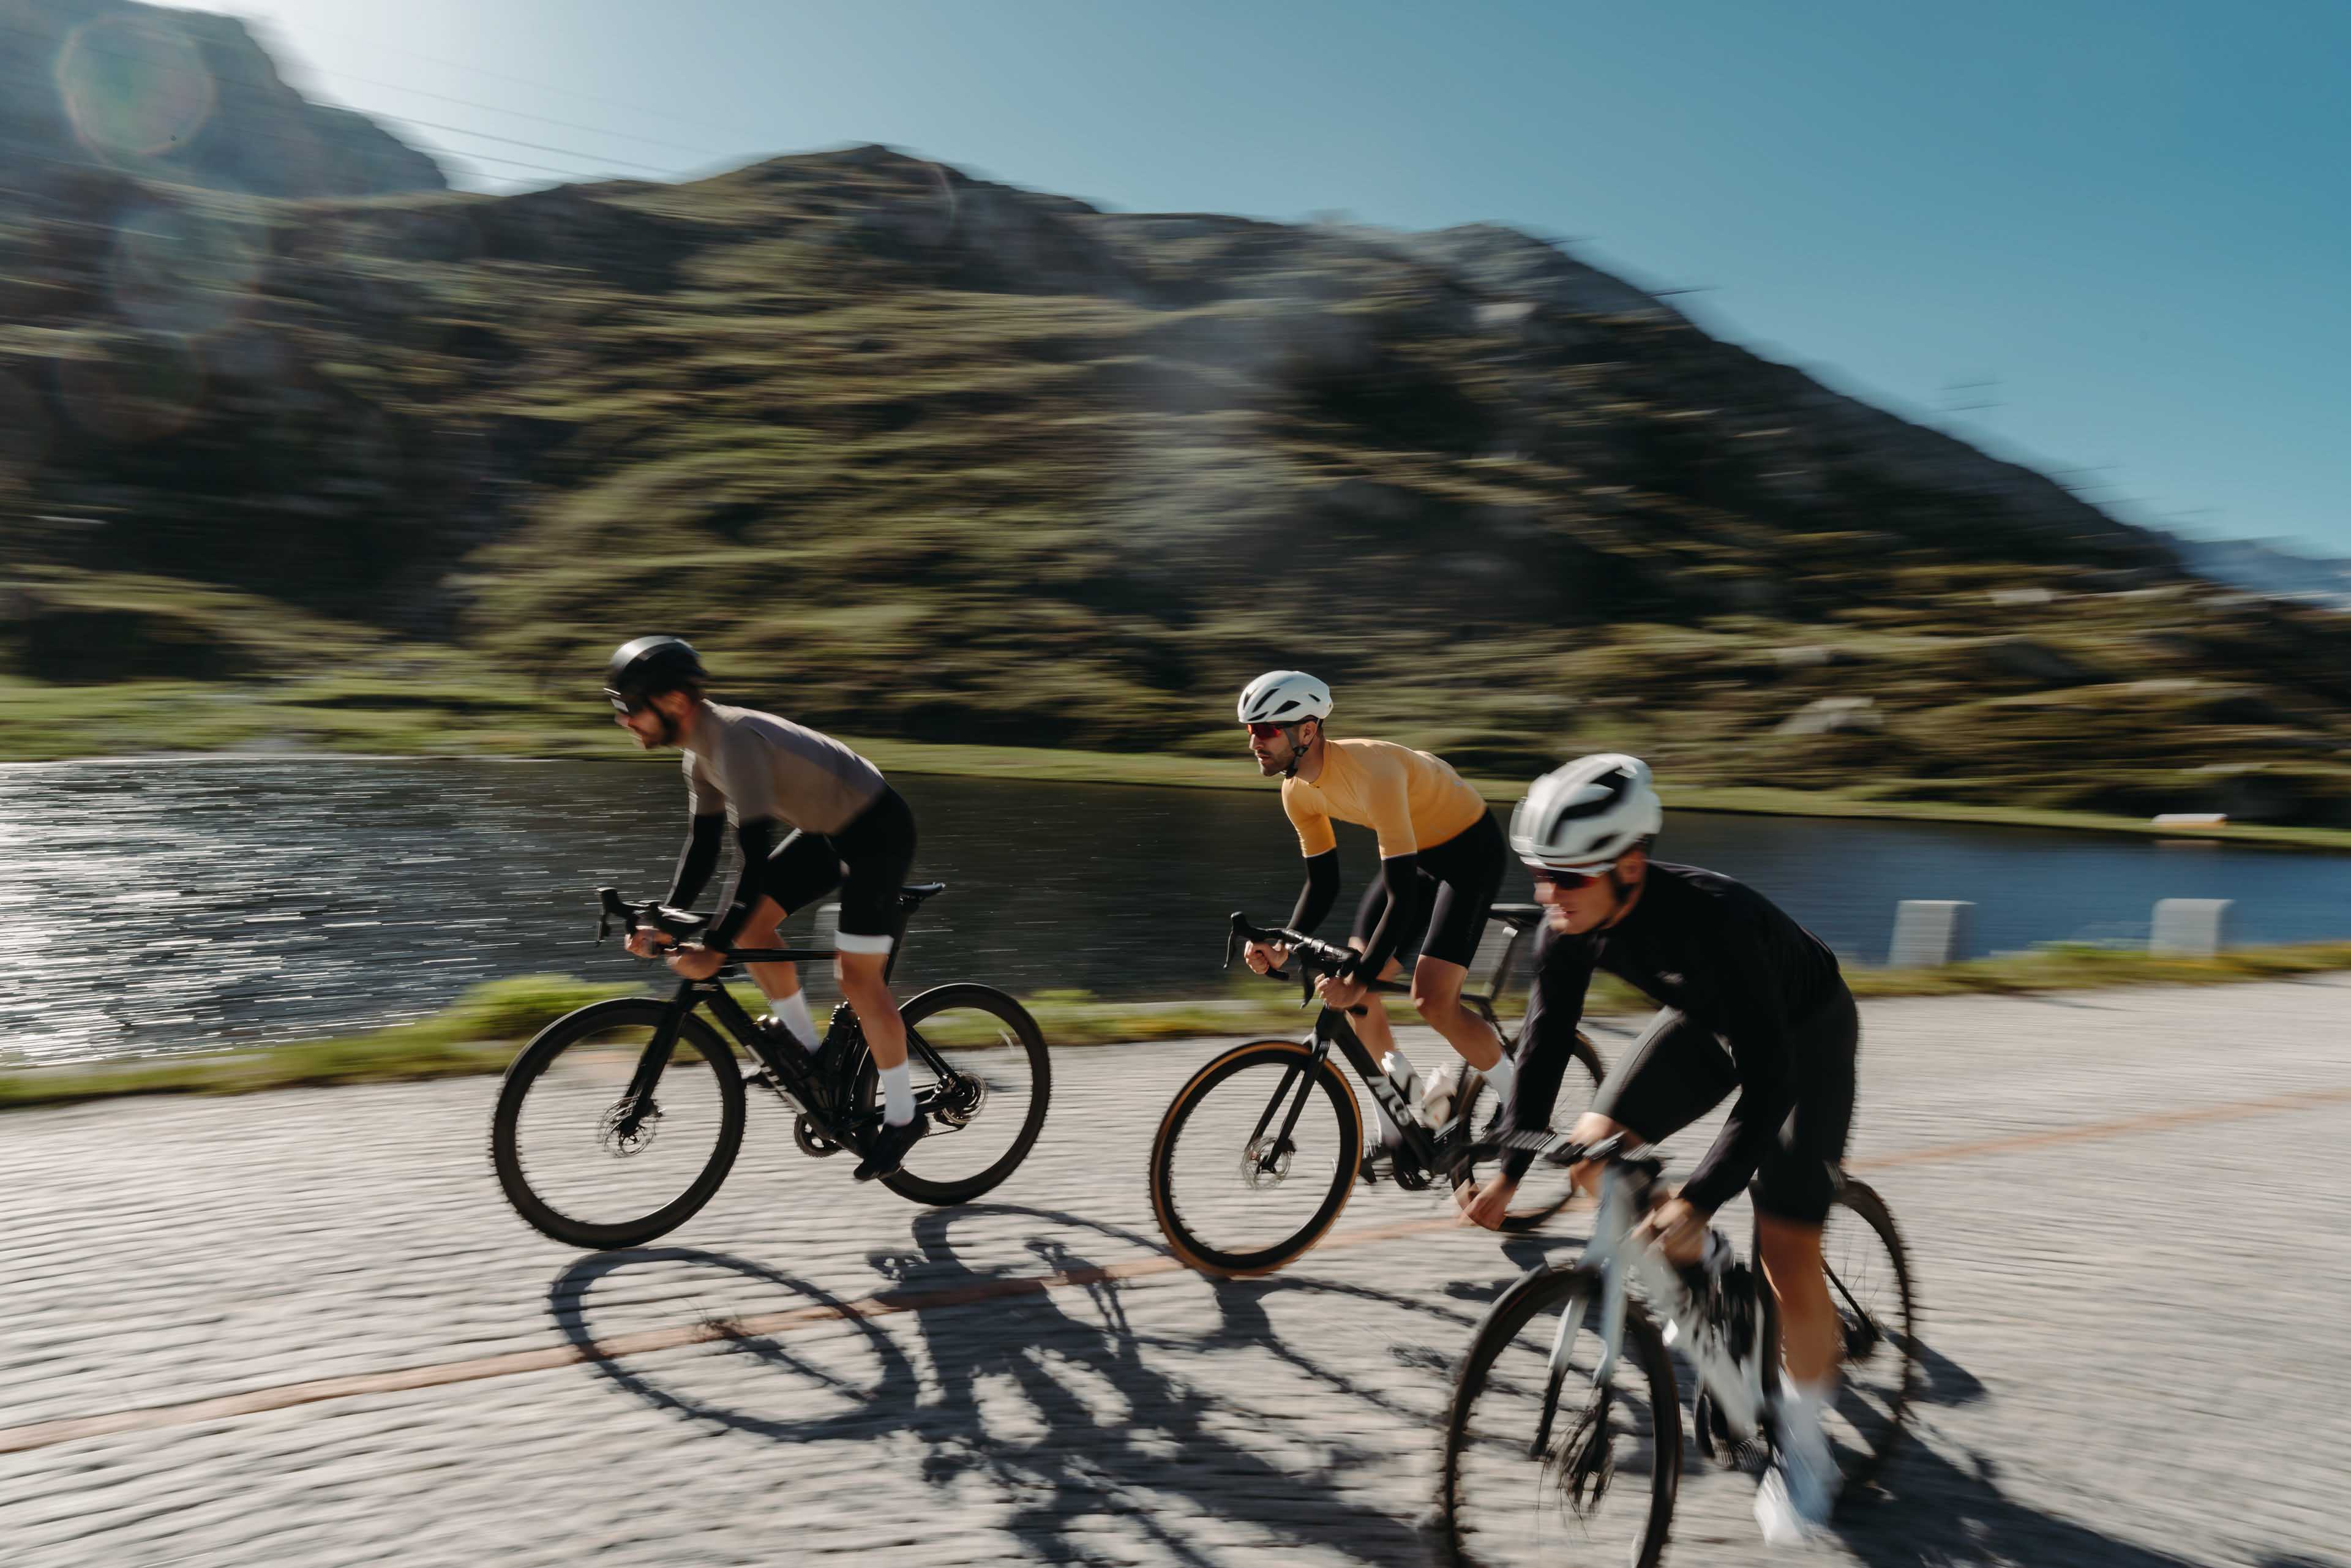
x=2136, y=1330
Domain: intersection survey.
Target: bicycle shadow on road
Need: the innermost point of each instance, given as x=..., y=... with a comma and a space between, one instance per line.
x=1936, y=1513
x=1127, y=1427
x=1081, y=1431
x=883, y=1402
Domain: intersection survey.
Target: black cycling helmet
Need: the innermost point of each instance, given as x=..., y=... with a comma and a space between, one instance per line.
x=648, y=666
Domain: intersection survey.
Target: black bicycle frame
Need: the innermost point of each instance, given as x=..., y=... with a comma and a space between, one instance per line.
x=1330, y=1028
x=793, y=1075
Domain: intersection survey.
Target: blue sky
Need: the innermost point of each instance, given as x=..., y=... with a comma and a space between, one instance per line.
x=2132, y=220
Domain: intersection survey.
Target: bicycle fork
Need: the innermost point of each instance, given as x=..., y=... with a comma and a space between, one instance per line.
x=1266, y=1157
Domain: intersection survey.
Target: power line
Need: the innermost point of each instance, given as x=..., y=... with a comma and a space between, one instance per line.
x=518, y=114
x=516, y=163
x=516, y=142
x=600, y=162
x=543, y=87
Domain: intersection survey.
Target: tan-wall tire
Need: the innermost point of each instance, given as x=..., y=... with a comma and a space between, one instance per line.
x=1262, y=1055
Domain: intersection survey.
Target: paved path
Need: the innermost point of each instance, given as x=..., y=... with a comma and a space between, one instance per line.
x=2138, y=1335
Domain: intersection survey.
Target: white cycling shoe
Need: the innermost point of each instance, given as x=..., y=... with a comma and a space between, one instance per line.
x=1438, y=1095
x=1800, y=1490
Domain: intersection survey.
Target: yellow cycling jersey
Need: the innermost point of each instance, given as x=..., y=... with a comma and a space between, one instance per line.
x=1411, y=800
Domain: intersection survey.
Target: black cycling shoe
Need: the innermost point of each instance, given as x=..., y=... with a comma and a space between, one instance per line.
x=885, y=1151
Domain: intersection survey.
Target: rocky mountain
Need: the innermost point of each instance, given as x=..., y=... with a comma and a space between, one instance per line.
x=182, y=96
x=2268, y=567
x=917, y=453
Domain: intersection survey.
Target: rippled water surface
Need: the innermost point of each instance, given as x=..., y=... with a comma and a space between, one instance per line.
x=165, y=905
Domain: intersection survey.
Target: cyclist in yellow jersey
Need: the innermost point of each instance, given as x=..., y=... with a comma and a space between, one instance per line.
x=1441, y=864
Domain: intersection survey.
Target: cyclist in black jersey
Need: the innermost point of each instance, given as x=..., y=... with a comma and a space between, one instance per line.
x=1752, y=1003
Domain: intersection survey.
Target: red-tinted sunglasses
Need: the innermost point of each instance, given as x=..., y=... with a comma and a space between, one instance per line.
x=1268, y=731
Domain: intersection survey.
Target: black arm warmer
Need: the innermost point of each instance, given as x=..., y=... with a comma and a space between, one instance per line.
x=1400, y=875
x=697, y=860
x=758, y=842
x=1321, y=892
x=1562, y=968
x=1765, y=1057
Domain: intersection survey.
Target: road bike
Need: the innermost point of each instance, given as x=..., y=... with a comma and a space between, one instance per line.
x=621, y=1120
x=1564, y=1441
x=1251, y=1165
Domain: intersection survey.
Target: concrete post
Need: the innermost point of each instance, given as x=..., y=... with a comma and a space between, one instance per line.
x=2189, y=927
x=1931, y=932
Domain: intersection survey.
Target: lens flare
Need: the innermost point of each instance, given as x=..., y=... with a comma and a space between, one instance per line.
x=183, y=270
x=134, y=87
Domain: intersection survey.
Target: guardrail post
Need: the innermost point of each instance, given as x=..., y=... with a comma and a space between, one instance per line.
x=1931, y=932
x=2189, y=927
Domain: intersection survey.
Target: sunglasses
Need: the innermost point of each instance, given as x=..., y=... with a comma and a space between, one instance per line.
x=1570, y=880
x=1268, y=731
x=628, y=704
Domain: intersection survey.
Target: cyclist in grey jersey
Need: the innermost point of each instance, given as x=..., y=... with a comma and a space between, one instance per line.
x=780, y=771
x=841, y=825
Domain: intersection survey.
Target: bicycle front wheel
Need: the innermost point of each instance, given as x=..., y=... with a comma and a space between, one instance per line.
x=981, y=1072
x=1255, y=1158
x=1545, y=1190
x=589, y=1165
x=1545, y=1462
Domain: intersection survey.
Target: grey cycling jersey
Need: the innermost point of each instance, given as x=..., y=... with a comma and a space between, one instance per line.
x=754, y=766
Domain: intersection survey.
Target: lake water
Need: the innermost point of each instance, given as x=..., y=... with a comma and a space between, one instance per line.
x=163, y=906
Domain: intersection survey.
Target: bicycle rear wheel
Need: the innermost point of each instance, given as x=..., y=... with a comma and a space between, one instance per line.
x=980, y=1066
x=1234, y=1194
x=1545, y=1464
x=584, y=1164
x=1869, y=1281
x=1545, y=1190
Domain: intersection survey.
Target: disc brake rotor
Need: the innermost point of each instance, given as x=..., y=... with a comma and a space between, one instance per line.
x=1258, y=1172
x=958, y=1109
x=626, y=1131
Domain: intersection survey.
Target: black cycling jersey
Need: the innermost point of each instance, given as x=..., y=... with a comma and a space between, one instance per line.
x=1729, y=962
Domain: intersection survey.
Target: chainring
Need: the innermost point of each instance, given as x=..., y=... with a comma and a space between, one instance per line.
x=812, y=1143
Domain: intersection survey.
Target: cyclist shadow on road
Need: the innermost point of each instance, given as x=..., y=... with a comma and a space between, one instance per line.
x=1156, y=1421
x=1084, y=1428
x=1941, y=1512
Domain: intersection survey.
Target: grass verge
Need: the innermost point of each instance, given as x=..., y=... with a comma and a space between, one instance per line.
x=479, y=1034
x=429, y=716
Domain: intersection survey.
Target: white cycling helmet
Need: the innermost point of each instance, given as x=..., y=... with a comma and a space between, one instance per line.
x=1584, y=816
x=1284, y=697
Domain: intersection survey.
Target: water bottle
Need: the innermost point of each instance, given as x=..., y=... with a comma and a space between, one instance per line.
x=1403, y=1074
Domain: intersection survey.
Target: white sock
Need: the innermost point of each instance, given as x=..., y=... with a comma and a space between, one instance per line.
x=1504, y=1077
x=898, y=1095
x=1803, y=1406
x=792, y=1013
